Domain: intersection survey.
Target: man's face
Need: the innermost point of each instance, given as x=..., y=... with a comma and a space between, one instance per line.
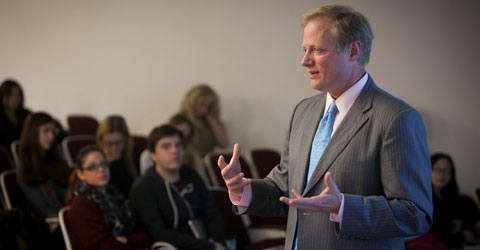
x=168, y=153
x=329, y=70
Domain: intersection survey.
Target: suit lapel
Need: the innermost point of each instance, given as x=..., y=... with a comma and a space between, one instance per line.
x=351, y=124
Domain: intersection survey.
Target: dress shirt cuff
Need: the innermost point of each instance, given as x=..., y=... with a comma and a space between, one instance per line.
x=243, y=199
x=338, y=217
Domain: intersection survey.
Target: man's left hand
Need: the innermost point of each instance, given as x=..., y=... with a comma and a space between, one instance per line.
x=328, y=201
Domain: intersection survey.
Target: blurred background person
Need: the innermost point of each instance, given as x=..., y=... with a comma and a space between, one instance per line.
x=191, y=157
x=99, y=216
x=172, y=200
x=201, y=105
x=12, y=112
x=43, y=172
x=455, y=216
x=114, y=139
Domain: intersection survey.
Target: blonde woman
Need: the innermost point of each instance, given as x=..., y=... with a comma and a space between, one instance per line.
x=114, y=139
x=201, y=106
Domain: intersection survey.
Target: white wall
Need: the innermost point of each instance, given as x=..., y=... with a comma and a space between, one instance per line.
x=137, y=58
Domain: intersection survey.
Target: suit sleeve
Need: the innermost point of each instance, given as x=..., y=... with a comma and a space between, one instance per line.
x=406, y=207
x=267, y=192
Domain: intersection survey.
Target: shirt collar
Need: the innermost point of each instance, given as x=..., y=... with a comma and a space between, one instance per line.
x=345, y=101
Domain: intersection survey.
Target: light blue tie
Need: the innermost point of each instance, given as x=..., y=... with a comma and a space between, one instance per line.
x=320, y=142
x=321, y=139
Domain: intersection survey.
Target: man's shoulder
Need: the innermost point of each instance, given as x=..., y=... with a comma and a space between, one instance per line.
x=311, y=102
x=386, y=102
x=190, y=175
x=150, y=180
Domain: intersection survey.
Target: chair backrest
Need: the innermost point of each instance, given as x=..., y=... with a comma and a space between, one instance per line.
x=62, y=213
x=14, y=148
x=12, y=194
x=140, y=142
x=71, y=145
x=82, y=124
x=6, y=162
x=264, y=160
x=211, y=160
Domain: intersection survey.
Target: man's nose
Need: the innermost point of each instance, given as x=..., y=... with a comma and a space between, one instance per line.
x=306, y=60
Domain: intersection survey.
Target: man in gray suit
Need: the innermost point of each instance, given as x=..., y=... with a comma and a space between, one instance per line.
x=370, y=188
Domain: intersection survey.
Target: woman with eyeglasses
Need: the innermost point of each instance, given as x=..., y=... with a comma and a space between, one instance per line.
x=99, y=216
x=114, y=139
x=456, y=219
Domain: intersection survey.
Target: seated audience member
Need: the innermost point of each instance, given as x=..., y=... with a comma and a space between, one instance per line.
x=455, y=217
x=43, y=173
x=201, y=106
x=99, y=217
x=170, y=195
x=12, y=112
x=191, y=157
x=114, y=139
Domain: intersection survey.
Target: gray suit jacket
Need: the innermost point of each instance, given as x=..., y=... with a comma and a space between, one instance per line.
x=379, y=160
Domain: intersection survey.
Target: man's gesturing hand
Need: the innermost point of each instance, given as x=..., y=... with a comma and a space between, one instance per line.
x=328, y=201
x=232, y=173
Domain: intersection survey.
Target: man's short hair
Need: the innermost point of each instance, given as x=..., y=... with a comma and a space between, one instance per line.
x=348, y=26
x=159, y=133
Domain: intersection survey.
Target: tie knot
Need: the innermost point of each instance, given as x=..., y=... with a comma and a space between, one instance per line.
x=333, y=108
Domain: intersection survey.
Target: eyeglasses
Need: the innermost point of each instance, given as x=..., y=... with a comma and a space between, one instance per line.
x=94, y=166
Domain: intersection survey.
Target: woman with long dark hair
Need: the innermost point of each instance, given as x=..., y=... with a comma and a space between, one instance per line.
x=43, y=172
x=12, y=112
x=455, y=216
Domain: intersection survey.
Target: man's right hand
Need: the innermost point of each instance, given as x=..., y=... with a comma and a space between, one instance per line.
x=232, y=173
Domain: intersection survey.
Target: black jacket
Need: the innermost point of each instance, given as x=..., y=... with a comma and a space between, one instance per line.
x=149, y=199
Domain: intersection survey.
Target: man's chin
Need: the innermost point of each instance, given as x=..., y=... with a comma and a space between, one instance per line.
x=317, y=86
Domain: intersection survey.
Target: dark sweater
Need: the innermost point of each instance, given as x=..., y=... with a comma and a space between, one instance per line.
x=149, y=199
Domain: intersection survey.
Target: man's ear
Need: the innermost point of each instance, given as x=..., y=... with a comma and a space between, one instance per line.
x=153, y=157
x=355, y=50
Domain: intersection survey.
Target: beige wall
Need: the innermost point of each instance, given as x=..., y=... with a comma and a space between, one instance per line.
x=137, y=58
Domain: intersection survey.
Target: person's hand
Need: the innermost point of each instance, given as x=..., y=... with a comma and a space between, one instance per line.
x=122, y=239
x=218, y=246
x=232, y=173
x=328, y=201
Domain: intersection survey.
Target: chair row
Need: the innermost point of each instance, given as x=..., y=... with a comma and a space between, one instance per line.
x=71, y=145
